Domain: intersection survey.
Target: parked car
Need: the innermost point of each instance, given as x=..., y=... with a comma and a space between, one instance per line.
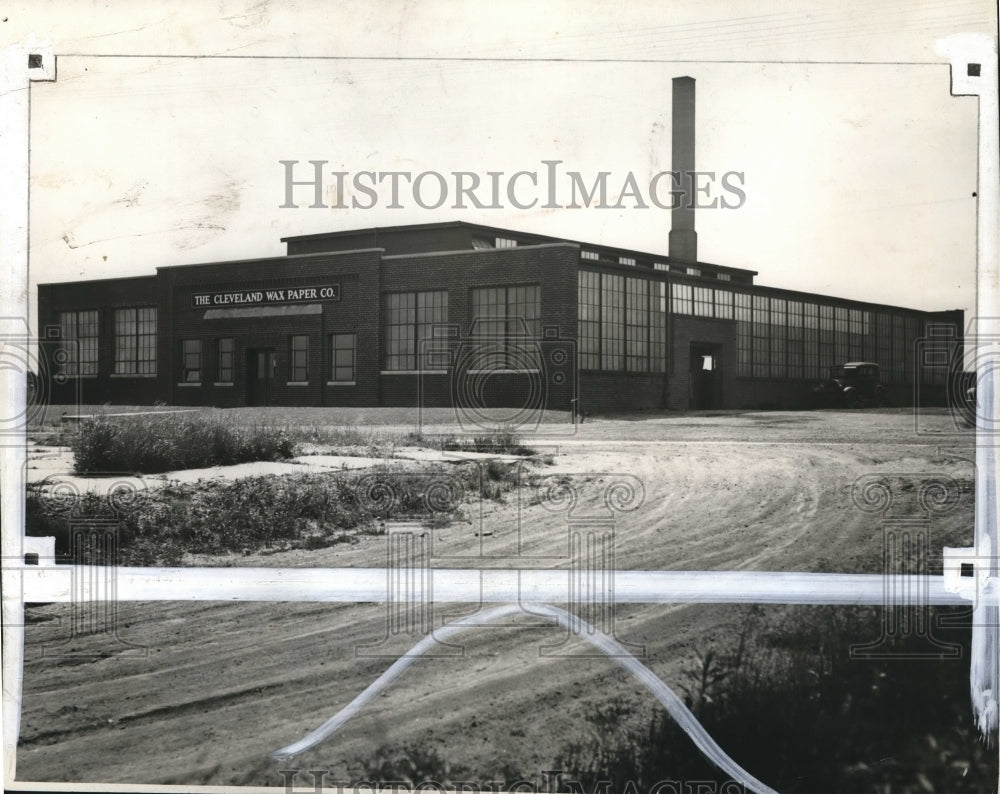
x=851, y=385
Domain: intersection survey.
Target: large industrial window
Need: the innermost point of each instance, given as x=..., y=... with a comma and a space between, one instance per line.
x=190, y=361
x=868, y=340
x=909, y=348
x=761, y=337
x=135, y=341
x=884, y=340
x=612, y=322
x=796, y=359
x=841, y=352
x=743, y=335
x=680, y=298
x=409, y=318
x=898, y=349
x=658, y=329
x=589, y=319
x=342, y=347
x=81, y=328
x=810, y=339
x=724, y=304
x=779, y=338
x=854, y=347
x=298, y=356
x=510, y=320
x=622, y=323
x=703, y=302
x=778, y=324
x=637, y=325
x=224, y=360
x=827, y=357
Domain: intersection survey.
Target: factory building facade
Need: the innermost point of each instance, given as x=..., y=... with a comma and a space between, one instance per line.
x=466, y=315
x=472, y=316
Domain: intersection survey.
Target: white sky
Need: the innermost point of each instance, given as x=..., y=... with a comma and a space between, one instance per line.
x=859, y=178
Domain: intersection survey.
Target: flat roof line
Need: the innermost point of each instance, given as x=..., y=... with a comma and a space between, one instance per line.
x=409, y=227
x=276, y=258
x=561, y=244
x=94, y=280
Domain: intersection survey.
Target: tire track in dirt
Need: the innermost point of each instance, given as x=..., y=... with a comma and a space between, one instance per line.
x=226, y=683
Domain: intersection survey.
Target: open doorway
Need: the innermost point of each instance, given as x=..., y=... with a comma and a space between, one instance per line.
x=706, y=380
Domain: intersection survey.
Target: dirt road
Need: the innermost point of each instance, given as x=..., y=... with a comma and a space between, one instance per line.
x=214, y=687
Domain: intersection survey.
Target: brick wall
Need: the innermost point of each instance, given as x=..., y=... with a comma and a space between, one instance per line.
x=365, y=276
x=681, y=332
x=607, y=392
x=103, y=295
x=552, y=267
x=392, y=241
x=356, y=312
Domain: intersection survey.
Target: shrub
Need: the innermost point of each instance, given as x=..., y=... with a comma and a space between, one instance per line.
x=154, y=444
x=219, y=517
x=788, y=701
x=499, y=441
x=413, y=764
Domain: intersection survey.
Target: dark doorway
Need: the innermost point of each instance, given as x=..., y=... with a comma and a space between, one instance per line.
x=706, y=381
x=260, y=374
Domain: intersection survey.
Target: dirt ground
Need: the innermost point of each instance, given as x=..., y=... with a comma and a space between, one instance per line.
x=201, y=693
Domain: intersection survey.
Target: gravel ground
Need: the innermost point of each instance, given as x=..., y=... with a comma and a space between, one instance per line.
x=220, y=685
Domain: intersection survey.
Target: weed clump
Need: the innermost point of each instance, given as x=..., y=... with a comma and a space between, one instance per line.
x=154, y=444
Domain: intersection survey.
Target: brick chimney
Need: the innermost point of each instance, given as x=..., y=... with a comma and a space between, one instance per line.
x=683, y=244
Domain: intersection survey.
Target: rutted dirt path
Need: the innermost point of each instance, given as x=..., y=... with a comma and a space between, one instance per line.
x=220, y=685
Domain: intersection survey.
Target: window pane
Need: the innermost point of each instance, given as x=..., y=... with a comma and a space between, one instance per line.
x=80, y=330
x=224, y=372
x=612, y=322
x=681, y=298
x=637, y=325
x=191, y=361
x=135, y=341
x=409, y=318
x=506, y=321
x=589, y=319
x=125, y=341
x=342, y=366
x=723, y=304
x=299, y=370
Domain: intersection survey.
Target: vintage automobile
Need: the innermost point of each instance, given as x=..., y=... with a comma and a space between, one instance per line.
x=850, y=385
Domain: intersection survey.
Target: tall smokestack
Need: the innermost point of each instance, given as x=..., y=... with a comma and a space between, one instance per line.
x=683, y=237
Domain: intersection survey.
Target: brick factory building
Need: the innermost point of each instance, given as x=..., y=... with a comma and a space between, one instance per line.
x=458, y=313
x=469, y=315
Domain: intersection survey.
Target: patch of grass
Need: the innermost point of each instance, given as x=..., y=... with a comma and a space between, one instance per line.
x=789, y=702
x=310, y=511
x=51, y=437
x=412, y=764
x=152, y=444
x=360, y=442
x=501, y=440
x=341, y=438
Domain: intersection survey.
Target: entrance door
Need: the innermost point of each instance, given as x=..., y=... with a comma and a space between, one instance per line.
x=260, y=374
x=705, y=377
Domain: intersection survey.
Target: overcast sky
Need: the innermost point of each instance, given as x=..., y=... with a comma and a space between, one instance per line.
x=859, y=177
